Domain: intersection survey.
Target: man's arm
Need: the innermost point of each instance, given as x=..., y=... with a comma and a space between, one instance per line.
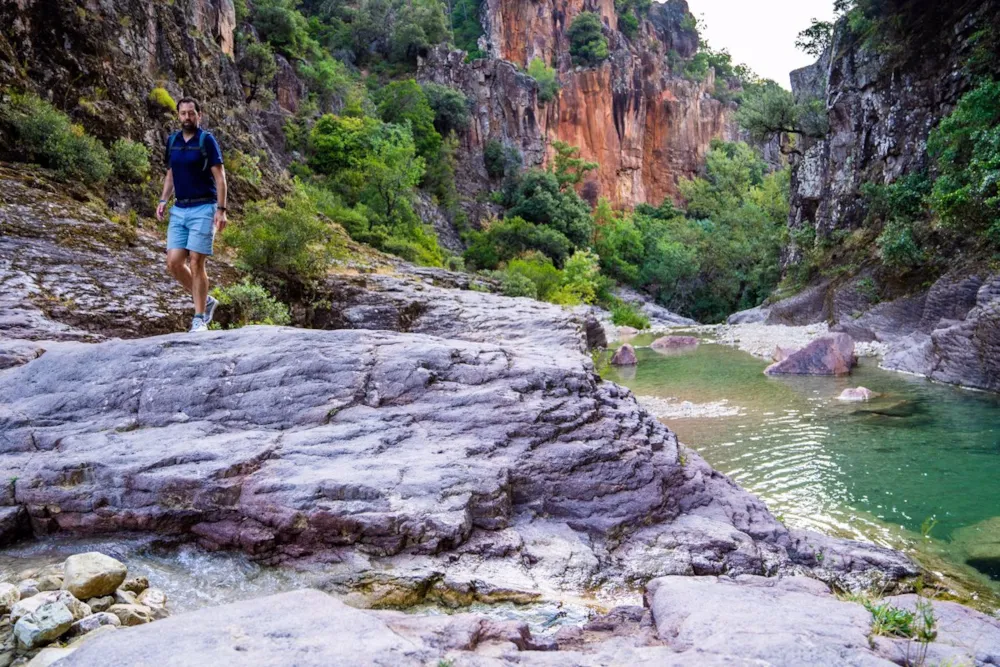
x=168, y=190
x=222, y=191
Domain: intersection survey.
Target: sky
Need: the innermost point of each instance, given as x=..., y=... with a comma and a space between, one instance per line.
x=761, y=33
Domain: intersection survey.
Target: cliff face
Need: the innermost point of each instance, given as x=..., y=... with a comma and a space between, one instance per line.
x=98, y=62
x=646, y=126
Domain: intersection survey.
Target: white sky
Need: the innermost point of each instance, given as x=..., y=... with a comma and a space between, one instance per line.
x=761, y=33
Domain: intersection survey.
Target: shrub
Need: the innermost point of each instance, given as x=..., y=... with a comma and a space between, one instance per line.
x=467, y=27
x=494, y=157
x=159, y=98
x=402, y=102
x=539, y=199
x=587, y=43
x=897, y=247
x=546, y=77
x=628, y=24
x=581, y=278
x=44, y=134
x=515, y=284
x=257, y=68
x=247, y=303
x=289, y=241
x=540, y=270
x=624, y=314
x=451, y=107
x=244, y=168
x=129, y=161
x=508, y=239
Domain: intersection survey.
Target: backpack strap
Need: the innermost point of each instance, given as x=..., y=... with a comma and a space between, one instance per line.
x=170, y=145
x=204, y=151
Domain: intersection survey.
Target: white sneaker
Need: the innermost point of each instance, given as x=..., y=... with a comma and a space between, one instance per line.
x=210, y=304
x=198, y=324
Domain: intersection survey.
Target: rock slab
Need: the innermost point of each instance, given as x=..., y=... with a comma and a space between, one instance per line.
x=829, y=355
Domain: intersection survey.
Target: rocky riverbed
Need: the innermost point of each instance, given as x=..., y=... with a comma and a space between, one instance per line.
x=433, y=446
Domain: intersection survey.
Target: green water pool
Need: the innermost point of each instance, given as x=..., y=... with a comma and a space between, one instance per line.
x=916, y=469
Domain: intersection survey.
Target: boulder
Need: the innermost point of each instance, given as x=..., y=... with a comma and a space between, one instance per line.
x=92, y=622
x=9, y=596
x=674, y=342
x=29, y=605
x=93, y=574
x=155, y=600
x=782, y=352
x=624, y=356
x=50, y=582
x=124, y=597
x=43, y=625
x=857, y=394
x=828, y=355
x=101, y=603
x=27, y=588
x=13, y=520
x=131, y=614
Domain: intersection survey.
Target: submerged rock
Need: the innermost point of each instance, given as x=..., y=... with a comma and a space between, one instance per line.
x=829, y=355
x=857, y=394
x=624, y=356
x=674, y=342
x=92, y=575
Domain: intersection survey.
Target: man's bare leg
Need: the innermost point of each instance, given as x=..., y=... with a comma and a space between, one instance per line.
x=199, y=281
x=178, y=268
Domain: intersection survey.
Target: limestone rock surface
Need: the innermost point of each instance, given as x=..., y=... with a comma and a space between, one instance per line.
x=828, y=355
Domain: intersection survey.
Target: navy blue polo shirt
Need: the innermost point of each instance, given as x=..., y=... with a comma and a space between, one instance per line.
x=193, y=182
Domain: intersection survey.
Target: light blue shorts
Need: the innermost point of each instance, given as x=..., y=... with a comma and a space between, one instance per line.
x=192, y=228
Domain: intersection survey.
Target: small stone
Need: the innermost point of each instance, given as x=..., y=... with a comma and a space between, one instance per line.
x=100, y=604
x=9, y=596
x=50, y=582
x=856, y=394
x=135, y=585
x=124, y=597
x=93, y=574
x=131, y=614
x=624, y=356
x=45, y=624
x=48, y=656
x=92, y=622
x=156, y=600
x=28, y=588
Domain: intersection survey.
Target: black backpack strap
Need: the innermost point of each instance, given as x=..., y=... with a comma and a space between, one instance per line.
x=204, y=151
x=170, y=146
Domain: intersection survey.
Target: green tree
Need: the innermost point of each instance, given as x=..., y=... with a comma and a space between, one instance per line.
x=451, y=108
x=257, y=68
x=587, y=43
x=419, y=25
x=815, y=39
x=514, y=236
x=404, y=102
x=467, y=28
x=768, y=110
x=570, y=169
x=540, y=199
x=546, y=77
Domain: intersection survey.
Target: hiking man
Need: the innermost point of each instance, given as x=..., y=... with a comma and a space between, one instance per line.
x=196, y=175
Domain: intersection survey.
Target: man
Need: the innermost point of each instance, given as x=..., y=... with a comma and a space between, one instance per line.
x=196, y=176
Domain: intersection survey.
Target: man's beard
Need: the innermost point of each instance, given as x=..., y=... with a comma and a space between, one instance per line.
x=188, y=125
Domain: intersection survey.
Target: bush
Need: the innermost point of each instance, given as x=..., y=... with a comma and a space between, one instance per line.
x=540, y=270
x=44, y=134
x=159, y=98
x=515, y=284
x=546, y=77
x=403, y=102
x=628, y=24
x=247, y=303
x=587, y=43
x=581, y=278
x=289, y=241
x=512, y=237
x=539, y=199
x=897, y=247
x=495, y=158
x=468, y=28
x=624, y=314
x=129, y=161
x=451, y=108
x=257, y=69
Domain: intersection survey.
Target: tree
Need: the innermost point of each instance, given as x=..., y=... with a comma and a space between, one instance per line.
x=451, y=107
x=257, y=68
x=569, y=168
x=545, y=77
x=815, y=39
x=419, y=25
x=539, y=199
x=587, y=43
x=768, y=110
x=404, y=102
x=391, y=170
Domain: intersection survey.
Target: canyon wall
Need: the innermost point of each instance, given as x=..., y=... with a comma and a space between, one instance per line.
x=645, y=125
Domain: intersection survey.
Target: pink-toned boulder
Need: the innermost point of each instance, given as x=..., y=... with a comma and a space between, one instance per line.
x=829, y=355
x=624, y=356
x=674, y=342
x=857, y=394
x=782, y=353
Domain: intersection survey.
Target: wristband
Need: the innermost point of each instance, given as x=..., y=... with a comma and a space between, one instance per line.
x=163, y=201
x=221, y=208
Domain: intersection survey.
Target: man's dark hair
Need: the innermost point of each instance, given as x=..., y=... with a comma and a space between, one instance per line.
x=189, y=100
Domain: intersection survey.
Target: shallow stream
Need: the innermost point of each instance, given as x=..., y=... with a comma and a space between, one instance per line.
x=916, y=469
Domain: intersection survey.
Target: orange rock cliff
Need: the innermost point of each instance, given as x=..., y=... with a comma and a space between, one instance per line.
x=645, y=125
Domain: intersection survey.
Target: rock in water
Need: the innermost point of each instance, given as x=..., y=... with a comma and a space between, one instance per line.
x=135, y=585
x=92, y=575
x=829, y=355
x=781, y=353
x=131, y=614
x=674, y=342
x=857, y=394
x=624, y=356
x=43, y=625
x=9, y=596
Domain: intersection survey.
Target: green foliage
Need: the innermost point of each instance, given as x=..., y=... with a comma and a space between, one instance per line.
x=244, y=168
x=625, y=314
x=257, y=68
x=546, y=77
x=628, y=24
x=44, y=134
x=900, y=210
x=580, y=279
x=404, y=102
x=540, y=271
x=247, y=303
x=897, y=247
x=768, y=110
x=279, y=23
x=420, y=24
x=161, y=99
x=815, y=39
x=619, y=244
x=539, y=199
x=467, y=28
x=494, y=157
x=450, y=106
x=570, y=169
x=129, y=161
x=509, y=238
x=289, y=241
x=587, y=43
x=965, y=147
x=515, y=284
x=331, y=86
x=890, y=621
